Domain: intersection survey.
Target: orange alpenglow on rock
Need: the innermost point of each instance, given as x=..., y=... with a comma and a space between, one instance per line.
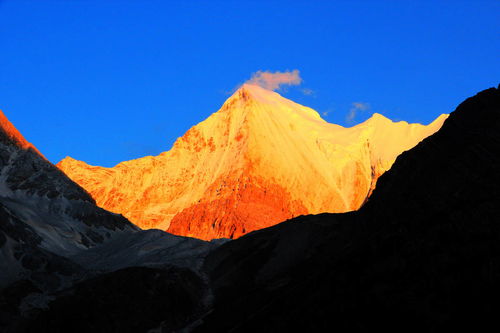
x=10, y=132
x=259, y=160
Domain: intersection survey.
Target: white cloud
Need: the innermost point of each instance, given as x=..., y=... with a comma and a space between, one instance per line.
x=307, y=91
x=273, y=81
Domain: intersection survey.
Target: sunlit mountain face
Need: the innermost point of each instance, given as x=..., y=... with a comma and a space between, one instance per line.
x=261, y=159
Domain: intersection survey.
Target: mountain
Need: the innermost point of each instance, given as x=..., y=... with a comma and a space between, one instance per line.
x=259, y=160
x=54, y=238
x=43, y=213
x=422, y=255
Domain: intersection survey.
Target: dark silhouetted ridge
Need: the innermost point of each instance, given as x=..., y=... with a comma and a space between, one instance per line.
x=422, y=255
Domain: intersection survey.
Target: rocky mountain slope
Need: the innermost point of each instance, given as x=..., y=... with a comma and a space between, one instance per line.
x=259, y=160
x=52, y=235
x=422, y=255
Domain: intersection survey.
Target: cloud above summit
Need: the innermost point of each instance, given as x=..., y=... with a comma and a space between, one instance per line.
x=274, y=80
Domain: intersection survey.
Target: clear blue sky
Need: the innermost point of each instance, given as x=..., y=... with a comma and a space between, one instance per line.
x=107, y=81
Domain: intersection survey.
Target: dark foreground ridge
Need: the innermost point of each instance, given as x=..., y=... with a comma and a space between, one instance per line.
x=422, y=255
x=133, y=299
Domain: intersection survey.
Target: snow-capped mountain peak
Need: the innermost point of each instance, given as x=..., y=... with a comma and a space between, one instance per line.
x=259, y=160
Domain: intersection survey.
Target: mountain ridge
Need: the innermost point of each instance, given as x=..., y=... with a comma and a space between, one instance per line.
x=10, y=132
x=259, y=153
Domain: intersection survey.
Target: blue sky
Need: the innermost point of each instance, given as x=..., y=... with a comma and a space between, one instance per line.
x=107, y=81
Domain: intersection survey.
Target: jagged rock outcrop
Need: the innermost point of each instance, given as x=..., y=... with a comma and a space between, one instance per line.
x=422, y=255
x=259, y=160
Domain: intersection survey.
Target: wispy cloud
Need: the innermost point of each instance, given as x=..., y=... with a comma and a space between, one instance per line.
x=274, y=81
x=355, y=109
x=327, y=112
x=307, y=91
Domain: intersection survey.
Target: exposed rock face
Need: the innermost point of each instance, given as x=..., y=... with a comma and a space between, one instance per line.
x=243, y=207
x=422, y=255
x=259, y=160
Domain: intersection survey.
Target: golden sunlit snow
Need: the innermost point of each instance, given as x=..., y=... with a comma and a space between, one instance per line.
x=257, y=161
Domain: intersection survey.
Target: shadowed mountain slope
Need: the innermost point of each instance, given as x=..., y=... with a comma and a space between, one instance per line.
x=423, y=254
x=53, y=237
